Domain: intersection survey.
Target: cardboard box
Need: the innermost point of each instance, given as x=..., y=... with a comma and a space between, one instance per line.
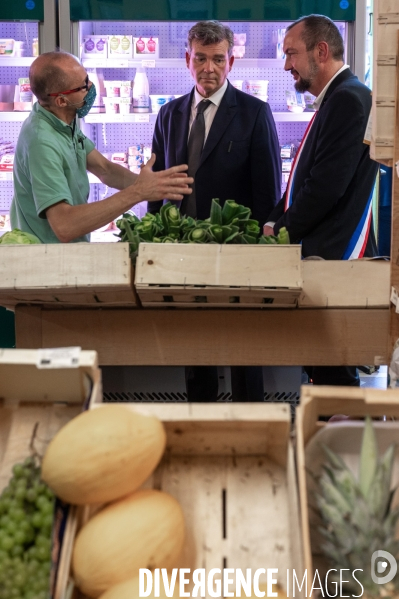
x=120, y=46
x=146, y=47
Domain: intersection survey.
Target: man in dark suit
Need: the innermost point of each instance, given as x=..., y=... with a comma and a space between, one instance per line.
x=240, y=158
x=328, y=203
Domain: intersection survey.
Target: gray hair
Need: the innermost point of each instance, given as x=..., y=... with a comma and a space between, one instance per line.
x=318, y=28
x=210, y=32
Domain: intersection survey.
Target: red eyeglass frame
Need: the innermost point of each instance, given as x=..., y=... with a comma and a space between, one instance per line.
x=72, y=91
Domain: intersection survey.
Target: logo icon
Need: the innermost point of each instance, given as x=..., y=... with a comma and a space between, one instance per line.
x=379, y=564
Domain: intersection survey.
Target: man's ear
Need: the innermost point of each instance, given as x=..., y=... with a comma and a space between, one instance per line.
x=187, y=59
x=323, y=51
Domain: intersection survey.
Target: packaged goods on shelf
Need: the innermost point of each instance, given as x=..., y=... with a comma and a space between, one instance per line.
x=157, y=101
x=7, y=47
x=120, y=46
x=286, y=165
x=240, y=39
x=125, y=89
x=237, y=83
x=257, y=88
x=6, y=162
x=295, y=101
x=125, y=105
x=119, y=157
x=113, y=88
x=309, y=99
x=94, y=46
x=238, y=51
x=146, y=46
x=141, y=91
x=287, y=151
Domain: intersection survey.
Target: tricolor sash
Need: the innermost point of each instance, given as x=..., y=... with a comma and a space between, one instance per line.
x=357, y=245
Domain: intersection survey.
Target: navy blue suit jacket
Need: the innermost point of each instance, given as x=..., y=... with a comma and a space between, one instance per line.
x=334, y=177
x=241, y=157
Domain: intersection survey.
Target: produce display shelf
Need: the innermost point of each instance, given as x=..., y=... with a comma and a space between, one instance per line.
x=344, y=438
x=231, y=468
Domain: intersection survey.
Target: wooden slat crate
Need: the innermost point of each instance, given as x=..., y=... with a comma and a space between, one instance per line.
x=75, y=274
x=34, y=404
x=342, y=437
x=345, y=284
x=385, y=29
x=211, y=275
x=231, y=468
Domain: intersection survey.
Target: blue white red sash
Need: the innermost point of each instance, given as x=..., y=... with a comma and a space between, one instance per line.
x=290, y=184
x=358, y=242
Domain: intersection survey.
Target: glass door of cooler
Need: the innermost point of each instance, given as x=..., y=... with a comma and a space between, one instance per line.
x=23, y=34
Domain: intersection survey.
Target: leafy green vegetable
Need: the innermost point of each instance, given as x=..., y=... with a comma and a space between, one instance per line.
x=230, y=224
x=18, y=236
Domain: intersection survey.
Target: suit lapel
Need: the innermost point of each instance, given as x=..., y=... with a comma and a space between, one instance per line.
x=181, y=119
x=224, y=114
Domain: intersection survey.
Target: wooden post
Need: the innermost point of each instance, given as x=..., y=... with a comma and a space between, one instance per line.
x=394, y=327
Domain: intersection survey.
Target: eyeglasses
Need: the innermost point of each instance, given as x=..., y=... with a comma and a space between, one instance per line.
x=72, y=91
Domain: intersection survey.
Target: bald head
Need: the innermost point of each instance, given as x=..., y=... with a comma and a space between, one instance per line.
x=52, y=72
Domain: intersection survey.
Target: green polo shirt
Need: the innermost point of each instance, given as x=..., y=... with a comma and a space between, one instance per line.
x=49, y=167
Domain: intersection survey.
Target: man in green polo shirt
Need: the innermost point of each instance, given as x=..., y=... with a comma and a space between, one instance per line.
x=52, y=157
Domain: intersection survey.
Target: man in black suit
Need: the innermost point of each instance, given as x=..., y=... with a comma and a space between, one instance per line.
x=327, y=206
x=240, y=159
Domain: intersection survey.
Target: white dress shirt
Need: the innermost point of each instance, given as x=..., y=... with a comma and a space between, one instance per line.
x=210, y=112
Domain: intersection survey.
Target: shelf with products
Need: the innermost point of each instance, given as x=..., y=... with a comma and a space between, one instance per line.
x=103, y=118
x=16, y=117
x=175, y=63
x=16, y=61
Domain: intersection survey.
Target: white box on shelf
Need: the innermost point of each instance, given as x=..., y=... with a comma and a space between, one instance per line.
x=120, y=46
x=145, y=47
x=94, y=46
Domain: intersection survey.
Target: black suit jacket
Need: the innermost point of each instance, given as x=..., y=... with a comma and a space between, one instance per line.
x=334, y=176
x=241, y=157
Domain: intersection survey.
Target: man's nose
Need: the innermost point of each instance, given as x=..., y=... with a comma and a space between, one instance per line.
x=208, y=66
x=287, y=63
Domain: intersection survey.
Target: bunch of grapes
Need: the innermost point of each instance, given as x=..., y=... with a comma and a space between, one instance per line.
x=26, y=519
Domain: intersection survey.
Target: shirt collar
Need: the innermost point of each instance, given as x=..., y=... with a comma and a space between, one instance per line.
x=215, y=98
x=53, y=120
x=320, y=97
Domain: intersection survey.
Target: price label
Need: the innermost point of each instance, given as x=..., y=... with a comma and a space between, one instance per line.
x=96, y=64
x=118, y=63
x=5, y=176
x=59, y=357
x=142, y=118
x=150, y=64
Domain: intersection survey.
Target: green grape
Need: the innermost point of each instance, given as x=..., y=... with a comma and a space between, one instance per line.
x=30, y=495
x=6, y=543
x=18, y=470
x=37, y=520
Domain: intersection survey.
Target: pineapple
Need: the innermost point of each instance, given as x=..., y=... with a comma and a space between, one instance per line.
x=358, y=517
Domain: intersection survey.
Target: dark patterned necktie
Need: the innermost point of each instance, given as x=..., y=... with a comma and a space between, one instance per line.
x=194, y=150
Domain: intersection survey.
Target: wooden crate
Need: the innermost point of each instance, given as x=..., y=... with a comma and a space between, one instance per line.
x=385, y=28
x=231, y=468
x=34, y=404
x=345, y=284
x=342, y=437
x=212, y=275
x=75, y=274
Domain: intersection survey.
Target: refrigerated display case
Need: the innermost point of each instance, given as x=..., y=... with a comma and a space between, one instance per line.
x=23, y=34
x=167, y=73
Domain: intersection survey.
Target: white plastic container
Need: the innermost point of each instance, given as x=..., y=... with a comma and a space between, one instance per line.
x=111, y=107
x=113, y=88
x=257, y=88
x=237, y=83
x=157, y=101
x=124, y=105
x=141, y=91
x=125, y=89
